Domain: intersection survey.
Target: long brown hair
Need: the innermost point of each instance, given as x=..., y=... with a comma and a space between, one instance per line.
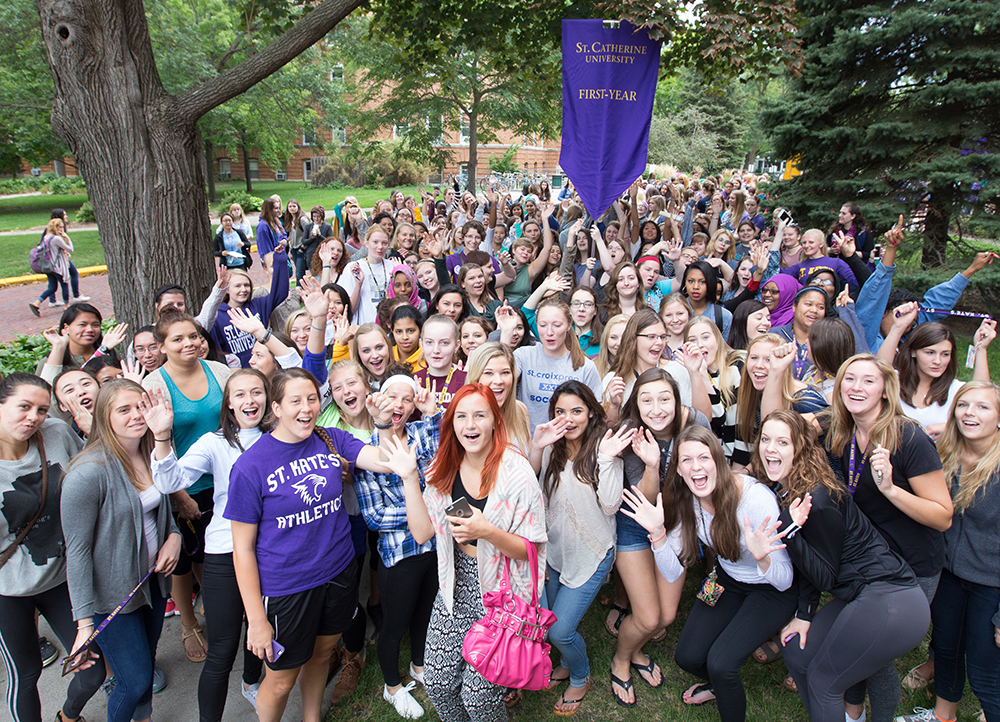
x=748, y=397
x=627, y=356
x=726, y=529
x=450, y=454
x=810, y=468
x=585, y=461
x=951, y=447
x=924, y=335
x=887, y=430
x=269, y=214
x=103, y=438
x=612, y=301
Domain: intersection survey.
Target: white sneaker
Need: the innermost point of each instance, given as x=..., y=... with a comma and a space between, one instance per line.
x=56, y=304
x=403, y=701
x=920, y=714
x=417, y=676
x=81, y=299
x=848, y=718
x=250, y=693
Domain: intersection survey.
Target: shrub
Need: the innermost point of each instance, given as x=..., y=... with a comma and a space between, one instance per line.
x=86, y=213
x=22, y=354
x=381, y=165
x=247, y=202
x=66, y=185
x=505, y=163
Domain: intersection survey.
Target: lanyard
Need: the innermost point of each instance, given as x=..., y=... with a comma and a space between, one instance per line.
x=381, y=288
x=854, y=475
x=801, y=360
x=447, y=382
x=944, y=312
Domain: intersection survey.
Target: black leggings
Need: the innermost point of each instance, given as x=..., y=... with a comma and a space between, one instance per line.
x=224, y=627
x=409, y=588
x=849, y=642
x=717, y=640
x=23, y=661
x=354, y=635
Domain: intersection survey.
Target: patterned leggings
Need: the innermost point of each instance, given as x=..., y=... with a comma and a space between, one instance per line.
x=457, y=691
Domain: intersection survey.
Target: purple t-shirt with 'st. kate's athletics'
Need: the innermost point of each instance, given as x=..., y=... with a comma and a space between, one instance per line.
x=294, y=494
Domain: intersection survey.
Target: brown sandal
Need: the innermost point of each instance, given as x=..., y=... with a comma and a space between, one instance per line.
x=196, y=632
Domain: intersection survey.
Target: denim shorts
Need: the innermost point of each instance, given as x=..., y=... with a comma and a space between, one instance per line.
x=631, y=536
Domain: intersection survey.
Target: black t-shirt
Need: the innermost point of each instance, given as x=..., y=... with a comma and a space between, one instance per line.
x=458, y=490
x=921, y=546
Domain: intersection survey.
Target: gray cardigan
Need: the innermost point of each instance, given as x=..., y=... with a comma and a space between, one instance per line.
x=105, y=545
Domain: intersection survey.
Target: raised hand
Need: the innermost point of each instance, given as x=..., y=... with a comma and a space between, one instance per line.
x=341, y=329
x=646, y=515
x=905, y=315
x=895, y=236
x=848, y=245
x=615, y=392
x=222, y=276
x=844, y=297
x=133, y=371
x=615, y=442
x=782, y=357
x=674, y=249
x=316, y=303
x=982, y=259
x=547, y=210
x=246, y=322
x=54, y=337
x=326, y=253
x=799, y=509
x=158, y=412
x=402, y=459
x=763, y=540
x=985, y=334
x=550, y=432
x=556, y=283
x=81, y=415
x=645, y=447
x=426, y=402
x=506, y=317
x=115, y=336
x=379, y=406
x=693, y=358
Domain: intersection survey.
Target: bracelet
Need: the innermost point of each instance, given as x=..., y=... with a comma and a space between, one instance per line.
x=267, y=337
x=383, y=427
x=162, y=441
x=318, y=328
x=652, y=540
x=85, y=626
x=327, y=266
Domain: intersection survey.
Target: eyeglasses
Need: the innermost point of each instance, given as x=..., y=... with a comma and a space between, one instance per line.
x=769, y=292
x=653, y=336
x=821, y=282
x=584, y=304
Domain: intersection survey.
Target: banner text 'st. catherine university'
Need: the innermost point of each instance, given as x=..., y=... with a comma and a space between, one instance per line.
x=609, y=83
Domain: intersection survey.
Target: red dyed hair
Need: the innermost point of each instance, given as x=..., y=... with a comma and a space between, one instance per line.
x=450, y=452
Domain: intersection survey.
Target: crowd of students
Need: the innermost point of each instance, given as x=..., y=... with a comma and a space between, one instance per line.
x=677, y=385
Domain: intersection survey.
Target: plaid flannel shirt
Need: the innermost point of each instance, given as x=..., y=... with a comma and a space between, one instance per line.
x=383, y=502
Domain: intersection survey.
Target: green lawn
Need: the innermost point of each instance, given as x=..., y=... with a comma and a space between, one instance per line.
x=14, y=251
x=22, y=212
x=767, y=700
x=308, y=196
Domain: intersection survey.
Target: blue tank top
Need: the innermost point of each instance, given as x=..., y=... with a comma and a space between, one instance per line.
x=193, y=418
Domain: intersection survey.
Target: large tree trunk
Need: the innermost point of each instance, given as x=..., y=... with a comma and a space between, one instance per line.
x=139, y=148
x=936, y=236
x=141, y=159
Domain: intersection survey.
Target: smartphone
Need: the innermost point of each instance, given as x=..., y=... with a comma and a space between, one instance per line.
x=784, y=215
x=460, y=508
x=877, y=253
x=276, y=650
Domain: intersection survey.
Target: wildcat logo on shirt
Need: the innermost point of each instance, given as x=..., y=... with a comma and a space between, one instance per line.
x=309, y=488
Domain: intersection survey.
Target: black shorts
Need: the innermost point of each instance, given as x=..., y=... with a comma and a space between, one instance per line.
x=193, y=532
x=298, y=619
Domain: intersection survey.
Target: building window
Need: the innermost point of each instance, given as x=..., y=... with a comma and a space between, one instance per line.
x=337, y=74
x=464, y=133
x=254, y=169
x=340, y=135
x=225, y=168
x=308, y=137
x=307, y=170
x=399, y=130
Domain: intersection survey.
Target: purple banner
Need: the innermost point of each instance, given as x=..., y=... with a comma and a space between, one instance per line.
x=609, y=83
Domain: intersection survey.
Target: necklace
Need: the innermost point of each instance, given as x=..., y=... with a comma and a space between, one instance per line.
x=385, y=274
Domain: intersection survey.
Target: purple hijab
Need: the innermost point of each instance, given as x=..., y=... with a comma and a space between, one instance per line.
x=787, y=288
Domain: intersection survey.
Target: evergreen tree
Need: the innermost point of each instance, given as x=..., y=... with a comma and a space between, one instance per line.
x=897, y=109
x=724, y=107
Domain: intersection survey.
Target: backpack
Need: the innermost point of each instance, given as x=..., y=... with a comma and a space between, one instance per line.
x=39, y=258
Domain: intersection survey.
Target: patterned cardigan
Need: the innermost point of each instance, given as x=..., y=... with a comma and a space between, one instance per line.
x=514, y=505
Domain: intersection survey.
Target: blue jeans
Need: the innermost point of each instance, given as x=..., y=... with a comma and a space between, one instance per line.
x=962, y=614
x=569, y=606
x=129, y=644
x=298, y=259
x=55, y=280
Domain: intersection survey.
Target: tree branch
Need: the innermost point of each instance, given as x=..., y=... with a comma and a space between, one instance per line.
x=195, y=102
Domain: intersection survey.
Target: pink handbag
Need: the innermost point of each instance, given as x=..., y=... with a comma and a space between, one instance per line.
x=507, y=646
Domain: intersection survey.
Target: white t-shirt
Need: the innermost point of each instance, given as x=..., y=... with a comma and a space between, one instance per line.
x=378, y=280
x=935, y=413
x=541, y=375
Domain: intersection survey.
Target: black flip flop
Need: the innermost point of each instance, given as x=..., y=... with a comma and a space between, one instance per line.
x=649, y=669
x=622, y=612
x=698, y=689
x=625, y=684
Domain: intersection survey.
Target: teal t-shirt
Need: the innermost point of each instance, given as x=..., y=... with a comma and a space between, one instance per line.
x=194, y=418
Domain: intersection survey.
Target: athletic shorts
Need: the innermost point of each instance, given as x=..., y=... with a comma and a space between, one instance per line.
x=298, y=619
